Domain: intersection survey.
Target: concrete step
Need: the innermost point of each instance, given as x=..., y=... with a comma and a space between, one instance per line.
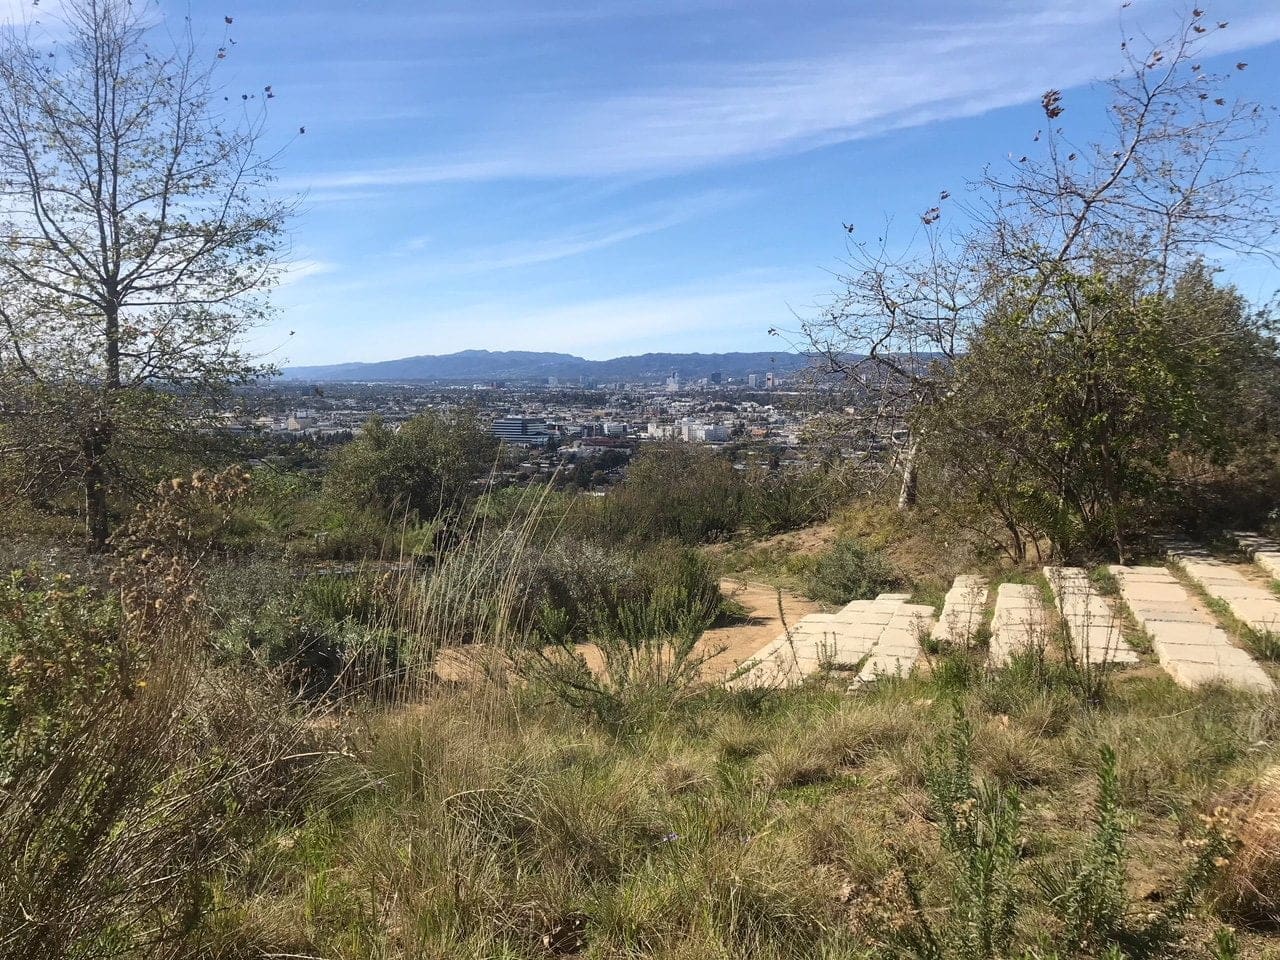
x=1190, y=644
x=1264, y=551
x=963, y=611
x=1093, y=625
x=1250, y=601
x=878, y=638
x=1020, y=622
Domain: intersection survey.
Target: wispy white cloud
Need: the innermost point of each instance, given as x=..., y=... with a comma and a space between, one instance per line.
x=296, y=271
x=471, y=18
x=584, y=238
x=864, y=85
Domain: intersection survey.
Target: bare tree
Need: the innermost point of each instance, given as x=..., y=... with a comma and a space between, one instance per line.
x=1173, y=180
x=141, y=238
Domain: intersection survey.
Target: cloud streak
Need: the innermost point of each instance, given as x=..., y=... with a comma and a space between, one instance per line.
x=642, y=221
x=736, y=308
x=722, y=114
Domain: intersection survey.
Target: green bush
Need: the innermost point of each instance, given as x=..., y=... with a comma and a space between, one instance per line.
x=327, y=633
x=849, y=571
x=131, y=770
x=428, y=467
x=683, y=492
x=61, y=655
x=779, y=500
x=644, y=622
x=579, y=590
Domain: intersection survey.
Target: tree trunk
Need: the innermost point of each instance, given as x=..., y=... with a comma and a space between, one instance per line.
x=97, y=519
x=1017, y=548
x=97, y=438
x=909, y=493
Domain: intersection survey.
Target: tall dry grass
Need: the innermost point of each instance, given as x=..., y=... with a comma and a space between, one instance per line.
x=133, y=765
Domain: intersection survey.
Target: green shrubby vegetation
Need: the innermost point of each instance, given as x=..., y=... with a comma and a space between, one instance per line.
x=429, y=465
x=691, y=493
x=849, y=571
x=279, y=769
x=895, y=823
x=1117, y=422
x=132, y=763
x=369, y=702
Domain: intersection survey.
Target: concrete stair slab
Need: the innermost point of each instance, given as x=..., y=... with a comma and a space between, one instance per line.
x=1188, y=641
x=1251, y=602
x=1093, y=625
x=879, y=637
x=1019, y=622
x=964, y=609
x=1264, y=551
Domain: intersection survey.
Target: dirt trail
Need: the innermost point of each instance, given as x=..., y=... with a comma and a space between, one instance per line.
x=736, y=642
x=727, y=646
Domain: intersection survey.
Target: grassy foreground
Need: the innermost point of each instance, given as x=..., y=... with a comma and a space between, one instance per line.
x=208, y=758
x=954, y=815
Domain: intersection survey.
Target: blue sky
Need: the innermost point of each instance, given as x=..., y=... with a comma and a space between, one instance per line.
x=620, y=176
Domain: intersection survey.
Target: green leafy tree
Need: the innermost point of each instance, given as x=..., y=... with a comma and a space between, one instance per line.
x=1073, y=243
x=1070, y=415
x=140, y=239
x=430, y=465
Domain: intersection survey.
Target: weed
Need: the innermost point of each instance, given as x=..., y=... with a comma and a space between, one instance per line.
x=979, y=825
x=1088, y=891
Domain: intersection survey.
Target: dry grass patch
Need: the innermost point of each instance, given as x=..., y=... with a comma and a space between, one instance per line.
x=839, y=742
x=1008, y=753
x=1249, y=888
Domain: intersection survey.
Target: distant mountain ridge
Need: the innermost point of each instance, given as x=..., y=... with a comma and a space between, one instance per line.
x=472, y=365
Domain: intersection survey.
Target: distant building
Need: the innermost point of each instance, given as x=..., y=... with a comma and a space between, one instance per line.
x=521, y=430
x=716, y=377
x=768, y=380
x=673, y=382
x=694, y=432
x=660, y=431
x=752, y=381
x=594, y=445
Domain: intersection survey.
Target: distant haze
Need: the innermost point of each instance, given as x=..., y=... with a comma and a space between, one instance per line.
x=471, y=365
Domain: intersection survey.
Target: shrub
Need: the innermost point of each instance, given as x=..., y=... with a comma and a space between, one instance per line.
x=131, y=767
x=1088, y=890
x=979, y=825
x=579, y=590
x=644, y=627
x=779, y=500
x=427, y=467
x=849, y=571
x=684, y=492
x=62, y=654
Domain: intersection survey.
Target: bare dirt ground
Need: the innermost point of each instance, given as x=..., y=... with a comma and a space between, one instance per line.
x=736, y=642
x=725, y=646
x=805, y=541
